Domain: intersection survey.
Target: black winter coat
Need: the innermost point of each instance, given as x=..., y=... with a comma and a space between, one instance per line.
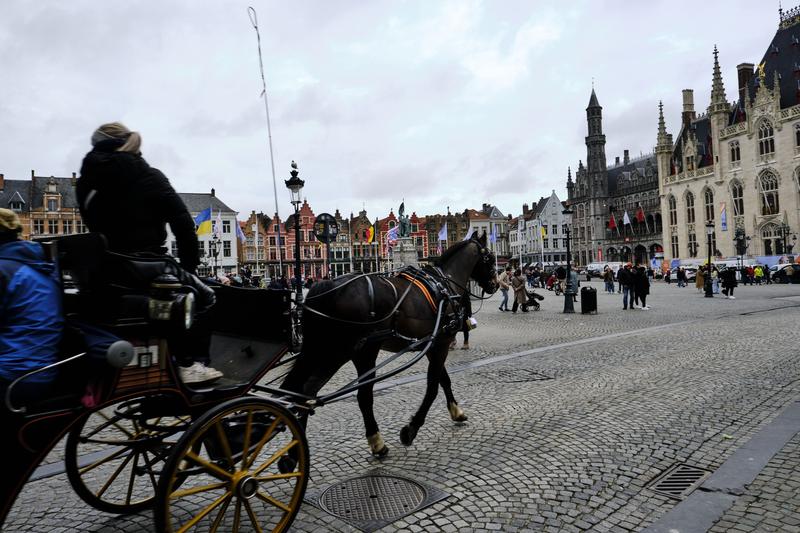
x=130, y=202
x=640, y=282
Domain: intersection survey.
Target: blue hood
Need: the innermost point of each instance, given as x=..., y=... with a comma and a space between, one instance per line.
x=28, y=253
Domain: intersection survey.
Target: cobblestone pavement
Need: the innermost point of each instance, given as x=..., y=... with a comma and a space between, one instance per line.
x=564, y=438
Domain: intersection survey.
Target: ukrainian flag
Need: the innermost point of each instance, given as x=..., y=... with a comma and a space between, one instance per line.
x=203, y=222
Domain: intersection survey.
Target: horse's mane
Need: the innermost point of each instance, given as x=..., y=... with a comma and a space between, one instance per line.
x=450, y=252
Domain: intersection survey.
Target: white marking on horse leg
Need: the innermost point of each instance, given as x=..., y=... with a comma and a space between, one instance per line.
x=456, y=412
x=376, y=445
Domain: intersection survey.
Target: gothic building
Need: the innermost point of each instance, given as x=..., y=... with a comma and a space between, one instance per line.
x=602, y=195
x=734, y=171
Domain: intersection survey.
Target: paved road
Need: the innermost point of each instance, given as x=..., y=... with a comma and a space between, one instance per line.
x=570, y=419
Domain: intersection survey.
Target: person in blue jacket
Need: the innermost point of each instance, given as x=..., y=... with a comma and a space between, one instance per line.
x=31, y=321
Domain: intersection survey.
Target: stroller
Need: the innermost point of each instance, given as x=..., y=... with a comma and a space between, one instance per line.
x=532, y=299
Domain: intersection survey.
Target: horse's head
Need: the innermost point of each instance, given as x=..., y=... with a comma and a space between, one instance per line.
x=484, y=271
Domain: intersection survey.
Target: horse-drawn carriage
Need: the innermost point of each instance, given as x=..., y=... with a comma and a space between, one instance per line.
x=227, y=457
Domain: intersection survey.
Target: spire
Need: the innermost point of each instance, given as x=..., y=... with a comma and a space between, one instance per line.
x=569, y=175
x=662, y=126
x=719, y=101
x=593, y=100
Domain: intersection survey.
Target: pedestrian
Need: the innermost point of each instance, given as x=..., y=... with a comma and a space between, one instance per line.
x=641, y=284
x=520, y=295
x=699, y=280
x=714, y=279
x=467, y=324
x=667, y=276
x=625, y=278
x=505, y=284
x=681, y=275
x=608, y=278
x=758, y=273
x=728, y=277
x=121, y=196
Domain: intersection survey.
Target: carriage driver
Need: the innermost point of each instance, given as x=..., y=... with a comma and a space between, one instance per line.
x=30, y=313
x=130, y=203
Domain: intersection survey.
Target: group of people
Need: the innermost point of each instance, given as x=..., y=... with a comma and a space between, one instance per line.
x=635, y=286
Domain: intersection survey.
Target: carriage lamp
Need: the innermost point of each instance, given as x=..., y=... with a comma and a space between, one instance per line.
x=295, y=185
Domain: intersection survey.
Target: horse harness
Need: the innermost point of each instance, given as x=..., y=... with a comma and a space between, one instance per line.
x=434, y=285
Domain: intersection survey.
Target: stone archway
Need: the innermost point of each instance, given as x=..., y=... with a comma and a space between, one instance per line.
x=612, y=255
x=625, y=254
x=640, y=254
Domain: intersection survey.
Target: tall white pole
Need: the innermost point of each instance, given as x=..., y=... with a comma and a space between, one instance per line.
x=254, y=21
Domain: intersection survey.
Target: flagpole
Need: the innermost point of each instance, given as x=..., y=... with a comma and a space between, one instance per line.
x=254, y=21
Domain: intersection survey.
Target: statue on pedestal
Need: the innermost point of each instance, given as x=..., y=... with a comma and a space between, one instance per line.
x=405, y=223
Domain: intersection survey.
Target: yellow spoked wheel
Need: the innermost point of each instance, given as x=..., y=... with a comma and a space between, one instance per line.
x=113, y=456
x=242, y=466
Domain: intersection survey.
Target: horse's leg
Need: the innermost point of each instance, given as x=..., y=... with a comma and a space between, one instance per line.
x=364, y=361
x=456, y=412
x=435, y=365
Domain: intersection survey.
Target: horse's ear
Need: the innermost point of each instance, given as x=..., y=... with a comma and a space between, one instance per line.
x=482, y=239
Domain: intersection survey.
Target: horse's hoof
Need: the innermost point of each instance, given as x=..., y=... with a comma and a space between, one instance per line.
x=457, y=414
x=377, y=446
x=286, y=464
x=407, y=435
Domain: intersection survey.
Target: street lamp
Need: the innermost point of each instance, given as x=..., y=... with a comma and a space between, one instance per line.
x=295, y=185
x=784, y=231
x=568, y=289
x=213, y=251
x=742, y=244
x=707, y=283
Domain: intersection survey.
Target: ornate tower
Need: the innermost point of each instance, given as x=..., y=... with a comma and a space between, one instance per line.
x=570, y=185
x=663, y=150
x=718, y=112
x=596, y=149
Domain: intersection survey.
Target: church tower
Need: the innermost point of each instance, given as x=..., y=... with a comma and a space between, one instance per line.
x=663, y=152
x=596, y=149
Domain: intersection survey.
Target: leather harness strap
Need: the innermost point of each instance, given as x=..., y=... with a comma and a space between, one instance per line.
x=421, y=286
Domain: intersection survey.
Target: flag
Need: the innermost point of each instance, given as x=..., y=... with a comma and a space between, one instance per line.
x=469, y=234
x=371, y=234
x=544, y=231
x=203, y=222
x=239, y=232
x=723, y=216
x=443, y=233
x=392, y=235
x=217, y=231
x=626, y=219
x=640, y=215
x=439, y=248
x=493, y=236
x=612, y=224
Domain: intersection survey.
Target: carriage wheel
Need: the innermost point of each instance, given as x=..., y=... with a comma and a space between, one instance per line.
x=113, y=456
x=241, y=466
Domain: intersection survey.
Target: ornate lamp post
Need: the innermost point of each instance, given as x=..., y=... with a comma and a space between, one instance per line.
x=785, y=230
x=568, y=289
x=295, y=185
x=742, y=244
x=213, y=251
x=707, y=281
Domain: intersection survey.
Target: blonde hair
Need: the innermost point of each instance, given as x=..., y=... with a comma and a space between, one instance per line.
x=117, y=130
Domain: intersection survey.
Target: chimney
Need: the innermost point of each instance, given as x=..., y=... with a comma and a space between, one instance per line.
x=74, y=179
x=212, y=191
x=2, y=182
x=524, y=206
x=32, y=174
x=616, y=161
x=688, y=107
x=745, y=71
x=627, y=158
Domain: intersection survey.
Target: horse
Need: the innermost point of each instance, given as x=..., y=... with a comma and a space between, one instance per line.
x=353, y=317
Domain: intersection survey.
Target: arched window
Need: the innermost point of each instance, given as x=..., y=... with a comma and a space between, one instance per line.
x=768, y=187
x=737, y=192
x=769, y=239
x=766, y=139
x=673, y=211
x=689, y=208
x=736, y=154
x=709, y=203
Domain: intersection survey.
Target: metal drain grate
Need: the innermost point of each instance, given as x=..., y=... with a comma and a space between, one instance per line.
x=679, y=481
x=376, y=500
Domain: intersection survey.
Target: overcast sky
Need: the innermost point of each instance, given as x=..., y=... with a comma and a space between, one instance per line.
x=443, y=103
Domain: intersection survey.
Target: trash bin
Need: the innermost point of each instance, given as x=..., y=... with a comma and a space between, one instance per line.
x=588, y=300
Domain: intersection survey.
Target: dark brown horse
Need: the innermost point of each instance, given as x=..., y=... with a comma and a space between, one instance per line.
x=344, y=320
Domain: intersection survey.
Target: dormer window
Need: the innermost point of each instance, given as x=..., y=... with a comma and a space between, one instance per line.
x=15, y=206
x=52, y=204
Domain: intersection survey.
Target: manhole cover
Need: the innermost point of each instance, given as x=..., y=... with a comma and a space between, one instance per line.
x=373, y=501
x=679, y=481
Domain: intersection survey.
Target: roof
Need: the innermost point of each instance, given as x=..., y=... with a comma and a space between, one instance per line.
x=197, y=201
x=621, y=172
x=593, y=100
x=64, y=186
x=15, y=190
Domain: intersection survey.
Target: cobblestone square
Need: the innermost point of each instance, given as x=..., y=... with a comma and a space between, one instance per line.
x=570, y=418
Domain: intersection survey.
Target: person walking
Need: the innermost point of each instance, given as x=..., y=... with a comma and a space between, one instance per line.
x=505, y=284
x=608, y=278
x=667, y=277
x=641, y=284
x=699, y=280
x=121, y=196
x=714, y=280
x=520, y=295
x=625, y=278
x=758, y=273
x=729, y=283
